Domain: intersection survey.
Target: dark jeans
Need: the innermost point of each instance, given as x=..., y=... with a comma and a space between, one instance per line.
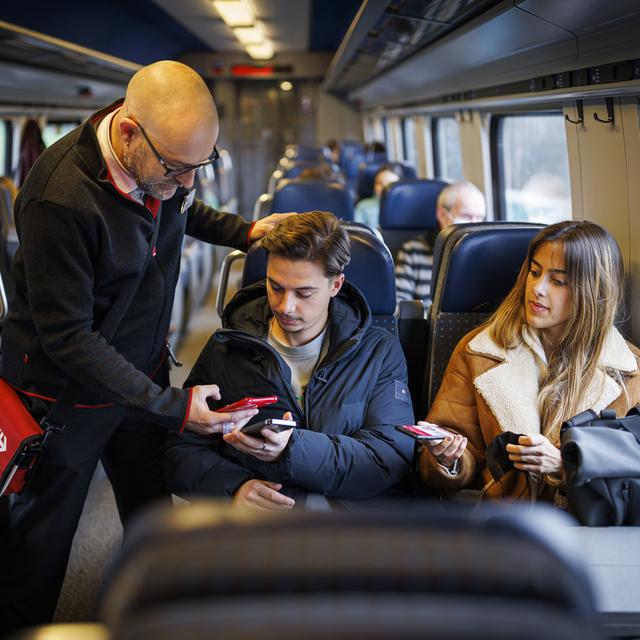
x=42, y=520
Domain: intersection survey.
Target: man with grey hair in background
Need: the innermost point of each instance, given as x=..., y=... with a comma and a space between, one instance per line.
x=457, y=203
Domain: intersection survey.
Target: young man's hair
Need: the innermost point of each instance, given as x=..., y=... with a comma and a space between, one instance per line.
x=315, y=236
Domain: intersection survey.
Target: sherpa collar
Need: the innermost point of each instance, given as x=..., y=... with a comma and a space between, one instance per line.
x=510, y=389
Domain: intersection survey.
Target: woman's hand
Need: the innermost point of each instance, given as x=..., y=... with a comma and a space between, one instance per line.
x=267, y=448
x=536, y=454
x=446, y=451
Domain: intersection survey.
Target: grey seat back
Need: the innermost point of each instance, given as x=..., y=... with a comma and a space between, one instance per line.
x=398, y=571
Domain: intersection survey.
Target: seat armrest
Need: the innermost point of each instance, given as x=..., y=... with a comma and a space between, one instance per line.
x=410, y=310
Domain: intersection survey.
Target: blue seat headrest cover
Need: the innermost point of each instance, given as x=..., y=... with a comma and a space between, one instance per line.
x=483, y=267
x=307, y=195
x=370, y=269
x=410, y=204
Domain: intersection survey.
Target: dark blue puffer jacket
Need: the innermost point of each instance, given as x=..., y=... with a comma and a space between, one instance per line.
x=345, y=445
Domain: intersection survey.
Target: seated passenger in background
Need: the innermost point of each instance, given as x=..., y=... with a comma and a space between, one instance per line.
x=322, y=172
x=549, y=352
x=367, y=210
x=304, y=335
x=457, y=203
x=334, y=150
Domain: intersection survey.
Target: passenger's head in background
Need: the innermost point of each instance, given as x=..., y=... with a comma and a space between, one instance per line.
x=460, y=202
x=385, y=176
x=322, y=172
x=167, y=126
x=375, y=147
x=568, y=292
x=334, y=150
x=307, y=255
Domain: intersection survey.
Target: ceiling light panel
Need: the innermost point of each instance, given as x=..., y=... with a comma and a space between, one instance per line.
x=250, y=35
x=235, y=13
x=262, y=51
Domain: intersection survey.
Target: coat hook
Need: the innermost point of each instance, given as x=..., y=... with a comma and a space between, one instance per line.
x=580, y=109
x=609, y=103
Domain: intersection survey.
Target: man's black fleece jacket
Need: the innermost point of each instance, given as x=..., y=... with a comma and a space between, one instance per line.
x=81, y=243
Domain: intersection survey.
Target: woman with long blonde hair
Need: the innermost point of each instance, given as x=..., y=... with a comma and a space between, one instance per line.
x=549, y=352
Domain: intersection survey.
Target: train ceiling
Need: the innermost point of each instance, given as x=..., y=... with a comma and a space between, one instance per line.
x=142, y=31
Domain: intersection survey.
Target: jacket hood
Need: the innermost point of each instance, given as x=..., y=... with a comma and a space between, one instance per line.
x=249, y=311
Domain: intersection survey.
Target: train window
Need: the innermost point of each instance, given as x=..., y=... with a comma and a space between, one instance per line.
x=55, y=130
x=409, y=141
x=4, y=146
x=531, y=165
x=386, y=132
x=447, y=151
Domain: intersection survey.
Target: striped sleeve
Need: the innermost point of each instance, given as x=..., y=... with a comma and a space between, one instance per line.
x=413, y=270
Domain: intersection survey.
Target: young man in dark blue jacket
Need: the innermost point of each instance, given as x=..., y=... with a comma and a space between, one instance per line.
x=304, y=335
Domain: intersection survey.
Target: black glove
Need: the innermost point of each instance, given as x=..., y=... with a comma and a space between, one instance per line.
x=496, y=455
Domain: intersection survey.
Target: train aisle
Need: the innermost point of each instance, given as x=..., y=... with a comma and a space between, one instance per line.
x=99, y=533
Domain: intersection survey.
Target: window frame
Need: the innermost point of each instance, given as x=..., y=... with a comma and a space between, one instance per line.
x=409, y=147
x=435, y=144
x=496, y=147
x=8, y=146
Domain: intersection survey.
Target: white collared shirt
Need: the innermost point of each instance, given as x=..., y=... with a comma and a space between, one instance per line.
x=122, y=179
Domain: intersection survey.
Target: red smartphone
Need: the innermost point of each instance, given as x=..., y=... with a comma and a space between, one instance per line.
x=248, y=403
x=424, y=432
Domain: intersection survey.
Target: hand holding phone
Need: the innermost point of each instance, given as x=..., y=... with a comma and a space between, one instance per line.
x=265, y=440
x=446, y=446
x=247, y=403
x=273, y=424
x=425, y=432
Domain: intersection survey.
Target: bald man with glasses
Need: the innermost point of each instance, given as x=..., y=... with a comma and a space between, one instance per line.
x=86, y=218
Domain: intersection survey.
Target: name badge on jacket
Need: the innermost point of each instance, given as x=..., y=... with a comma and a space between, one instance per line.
x=187, y=201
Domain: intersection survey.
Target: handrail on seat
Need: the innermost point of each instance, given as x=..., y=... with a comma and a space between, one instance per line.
x=225, y=269
x=4, y=304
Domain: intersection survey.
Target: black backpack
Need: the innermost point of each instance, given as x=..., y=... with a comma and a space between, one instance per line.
x=601, y=456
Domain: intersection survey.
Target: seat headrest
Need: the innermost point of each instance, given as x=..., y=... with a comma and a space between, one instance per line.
x=294, y=170
x=370, y=269
x=317, y=195
x=367, y=175
x=480, y=266
x=410, y=205
x=300, y=152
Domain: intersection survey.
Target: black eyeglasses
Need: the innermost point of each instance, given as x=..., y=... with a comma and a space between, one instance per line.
x=172, y=172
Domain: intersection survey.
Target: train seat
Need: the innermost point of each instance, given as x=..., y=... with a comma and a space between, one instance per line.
x=328, y=169
x=348, y=150
x=327, y=172
x=304, y=152
x=475, y=266
x=370, y=269
x=401, y=570
x=367, y=175
x=407, y=209
x=309, y=195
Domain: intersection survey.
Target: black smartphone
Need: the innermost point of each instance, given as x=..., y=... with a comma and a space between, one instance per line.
x=274, y=424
